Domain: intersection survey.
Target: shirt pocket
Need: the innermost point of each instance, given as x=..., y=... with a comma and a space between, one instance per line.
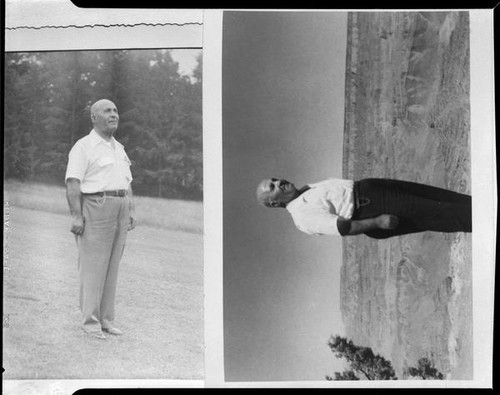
x=105, y=161
x=125, y=166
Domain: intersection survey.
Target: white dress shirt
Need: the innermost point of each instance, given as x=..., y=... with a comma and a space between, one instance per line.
x=98, y=164
x=317, y=210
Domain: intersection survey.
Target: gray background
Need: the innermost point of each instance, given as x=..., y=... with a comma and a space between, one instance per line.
x=283, y=115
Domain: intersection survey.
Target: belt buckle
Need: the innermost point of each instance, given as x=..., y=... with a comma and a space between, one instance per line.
x=363, y=201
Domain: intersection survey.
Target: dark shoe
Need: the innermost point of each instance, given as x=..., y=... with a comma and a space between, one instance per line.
x=112, y=331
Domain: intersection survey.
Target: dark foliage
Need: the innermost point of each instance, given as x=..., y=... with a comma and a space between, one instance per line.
x=425, y=370
x=47, y=101
x=363, y=363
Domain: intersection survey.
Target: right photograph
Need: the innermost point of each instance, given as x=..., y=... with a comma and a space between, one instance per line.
x=347, y=199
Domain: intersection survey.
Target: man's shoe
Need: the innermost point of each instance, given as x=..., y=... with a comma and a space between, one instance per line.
x=97, y=335
x=112, y=331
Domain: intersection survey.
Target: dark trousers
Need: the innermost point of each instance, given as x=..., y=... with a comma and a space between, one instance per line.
x=419, y=207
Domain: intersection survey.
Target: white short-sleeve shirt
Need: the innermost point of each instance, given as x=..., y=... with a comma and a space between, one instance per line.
x=317, y=210
x=98, y=164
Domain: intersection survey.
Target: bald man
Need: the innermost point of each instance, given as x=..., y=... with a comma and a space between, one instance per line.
x=378, y=208
x=99, y=194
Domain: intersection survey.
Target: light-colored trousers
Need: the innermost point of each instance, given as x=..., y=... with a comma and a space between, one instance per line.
x=100, y=249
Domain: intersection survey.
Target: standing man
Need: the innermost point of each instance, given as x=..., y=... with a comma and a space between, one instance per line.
x=101, y=204
x=378, y=208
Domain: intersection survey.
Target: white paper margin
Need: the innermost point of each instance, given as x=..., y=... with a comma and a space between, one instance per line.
x=212, y=181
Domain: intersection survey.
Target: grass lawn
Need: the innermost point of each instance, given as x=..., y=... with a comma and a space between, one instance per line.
x=159, y=301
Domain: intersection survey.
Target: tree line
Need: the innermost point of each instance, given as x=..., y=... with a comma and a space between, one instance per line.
x=364, y=364
x=47, y=101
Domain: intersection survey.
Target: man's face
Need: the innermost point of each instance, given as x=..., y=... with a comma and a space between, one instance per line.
x=105, y=117
x=278, y=191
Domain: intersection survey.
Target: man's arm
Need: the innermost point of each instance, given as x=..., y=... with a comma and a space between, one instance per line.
x=356, y=227
x=74, y=195
x=132, y=219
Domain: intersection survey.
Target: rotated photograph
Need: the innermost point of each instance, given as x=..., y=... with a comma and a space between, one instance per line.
x=347, y=204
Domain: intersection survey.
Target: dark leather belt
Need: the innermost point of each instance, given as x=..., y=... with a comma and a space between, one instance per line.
x=118, y=192
x=355, y=193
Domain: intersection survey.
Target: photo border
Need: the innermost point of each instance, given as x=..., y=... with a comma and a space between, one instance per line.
x=484, y=191
x=58, y=25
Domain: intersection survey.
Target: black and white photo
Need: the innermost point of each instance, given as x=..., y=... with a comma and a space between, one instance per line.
x=247, y=198
x=355, y=128
x=109, y=287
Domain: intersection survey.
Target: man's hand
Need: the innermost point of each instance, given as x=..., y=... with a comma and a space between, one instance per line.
x=387, y=221
x=356, y=227
x=131, y=222
x=131, y=216
x=77, y=224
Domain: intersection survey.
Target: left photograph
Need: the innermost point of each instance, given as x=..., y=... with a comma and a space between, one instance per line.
x=103, y=215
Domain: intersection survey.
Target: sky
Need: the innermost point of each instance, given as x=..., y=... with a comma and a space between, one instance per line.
x=283, y=79
x=186, y=59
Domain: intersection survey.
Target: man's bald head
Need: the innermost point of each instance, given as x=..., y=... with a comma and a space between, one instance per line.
x=104, y=115
x=274, y=192
x=262, y=193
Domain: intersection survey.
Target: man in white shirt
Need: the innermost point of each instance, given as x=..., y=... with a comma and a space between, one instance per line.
x=101, y=204
x=379, y=208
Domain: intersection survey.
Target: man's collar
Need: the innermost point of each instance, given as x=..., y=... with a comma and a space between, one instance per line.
x=95, y=138
x=300, y=197
x=292, y=203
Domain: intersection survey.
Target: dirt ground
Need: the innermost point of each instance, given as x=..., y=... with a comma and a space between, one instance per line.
x=407, y=117
x=159, y=305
